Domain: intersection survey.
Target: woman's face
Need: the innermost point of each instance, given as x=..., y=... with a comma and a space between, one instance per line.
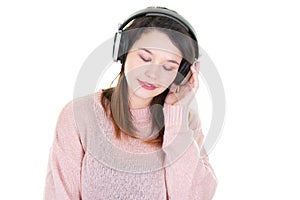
x=151, y=66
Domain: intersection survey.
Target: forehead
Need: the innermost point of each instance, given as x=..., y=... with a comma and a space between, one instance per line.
x=156, y=40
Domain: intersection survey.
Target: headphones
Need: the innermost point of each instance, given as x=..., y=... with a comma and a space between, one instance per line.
x=118, y=48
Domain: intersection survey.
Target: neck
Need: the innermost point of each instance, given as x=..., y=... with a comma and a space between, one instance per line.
x=137, y=102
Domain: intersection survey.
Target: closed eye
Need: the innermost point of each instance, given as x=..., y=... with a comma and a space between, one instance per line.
x=145, y=59
x=167, y=68
x=148, y=59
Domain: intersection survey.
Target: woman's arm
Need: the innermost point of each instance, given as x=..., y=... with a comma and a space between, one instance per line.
x=64, y=168
x=188, y=175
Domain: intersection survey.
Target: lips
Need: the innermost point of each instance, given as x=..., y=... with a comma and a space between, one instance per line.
x=147, y=86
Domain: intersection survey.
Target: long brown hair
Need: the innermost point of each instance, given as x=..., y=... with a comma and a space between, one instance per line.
x=115, y=99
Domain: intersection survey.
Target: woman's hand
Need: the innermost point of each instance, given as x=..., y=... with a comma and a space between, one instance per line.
x=184, y=94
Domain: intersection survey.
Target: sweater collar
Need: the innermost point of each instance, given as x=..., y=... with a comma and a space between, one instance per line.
x=142, y=120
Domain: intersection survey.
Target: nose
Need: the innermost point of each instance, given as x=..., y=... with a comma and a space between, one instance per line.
x=153, y=72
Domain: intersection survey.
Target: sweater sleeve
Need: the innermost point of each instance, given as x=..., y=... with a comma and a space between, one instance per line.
x=188, y=174
x=64, y=166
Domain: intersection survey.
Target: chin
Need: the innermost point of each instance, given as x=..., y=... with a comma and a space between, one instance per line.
x=144, y=94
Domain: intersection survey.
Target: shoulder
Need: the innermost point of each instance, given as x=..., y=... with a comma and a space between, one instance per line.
x=83, y=116
x=76, y=105
x=81, y=111
x=72, y=109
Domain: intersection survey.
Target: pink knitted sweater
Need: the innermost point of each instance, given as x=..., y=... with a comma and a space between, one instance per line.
x=88, y=162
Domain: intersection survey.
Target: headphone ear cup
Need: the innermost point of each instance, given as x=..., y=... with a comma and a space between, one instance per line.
x=120, y=47
x=116, y=46
x=123, y=48
x=183, y=70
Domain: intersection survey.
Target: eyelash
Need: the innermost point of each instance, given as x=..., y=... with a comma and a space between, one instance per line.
x=148, y=60
x=167, y=69
x=144, y=59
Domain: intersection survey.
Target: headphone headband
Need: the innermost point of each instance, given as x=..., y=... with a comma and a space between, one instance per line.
x=153, y=11
x=160, y=11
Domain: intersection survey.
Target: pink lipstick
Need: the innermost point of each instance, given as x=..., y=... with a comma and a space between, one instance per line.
x=147, y=86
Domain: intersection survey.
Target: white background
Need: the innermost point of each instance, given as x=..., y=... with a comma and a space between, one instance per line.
x=254, y=45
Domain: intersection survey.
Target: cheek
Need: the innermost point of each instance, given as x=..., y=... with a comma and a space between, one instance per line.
x=131, y=64
x=168, y=78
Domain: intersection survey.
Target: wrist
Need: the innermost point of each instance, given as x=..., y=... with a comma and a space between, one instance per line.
x=176, y=116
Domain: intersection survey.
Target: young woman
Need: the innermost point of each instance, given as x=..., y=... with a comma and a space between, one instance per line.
x=142, y=138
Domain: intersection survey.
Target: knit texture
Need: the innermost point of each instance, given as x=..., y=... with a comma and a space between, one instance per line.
x=88, y=162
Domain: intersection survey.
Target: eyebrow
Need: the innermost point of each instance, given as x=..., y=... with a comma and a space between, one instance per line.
x=148, y=51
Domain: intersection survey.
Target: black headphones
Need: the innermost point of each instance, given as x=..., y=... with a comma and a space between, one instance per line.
x=184, y=67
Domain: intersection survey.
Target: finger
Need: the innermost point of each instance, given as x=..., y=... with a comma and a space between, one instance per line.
x=171, y=98
x=195, y=82
x=197, y=66
x=194, y=75
x=173, y=87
